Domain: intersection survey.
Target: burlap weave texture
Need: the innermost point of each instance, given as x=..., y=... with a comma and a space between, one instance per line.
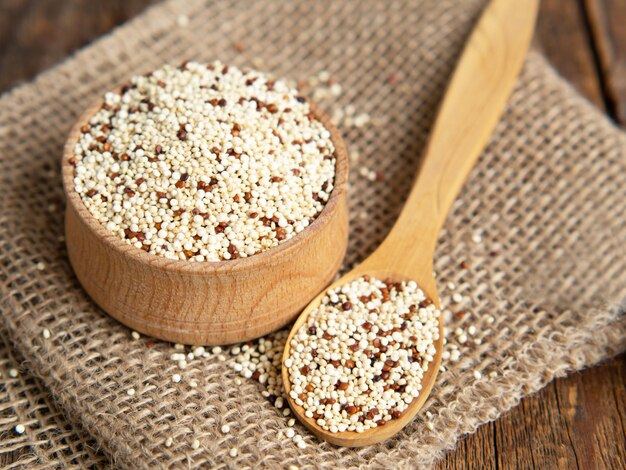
x=547, y=201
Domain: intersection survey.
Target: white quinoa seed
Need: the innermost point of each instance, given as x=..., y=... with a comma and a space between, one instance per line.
x=262, y=362
x=41, y=266
x=130, y=392
x=135, y=335
x=195, y=444
x=13, y=373
x=176, y=378
x=362, y=354
x=182, y=21
x=20, y=428
x=46, y=333
x=168, y=442
x=233, y=452
x=225, y=429
x=455, y=355
x=204, y=163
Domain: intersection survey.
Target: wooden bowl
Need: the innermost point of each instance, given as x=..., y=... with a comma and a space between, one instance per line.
x=207, y=303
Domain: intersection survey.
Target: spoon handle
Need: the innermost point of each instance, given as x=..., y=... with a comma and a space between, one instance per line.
x=474, y=101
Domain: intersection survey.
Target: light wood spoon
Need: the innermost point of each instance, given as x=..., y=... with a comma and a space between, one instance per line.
x=474, y=101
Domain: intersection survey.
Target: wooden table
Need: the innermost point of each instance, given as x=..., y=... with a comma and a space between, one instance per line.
x=577, y=422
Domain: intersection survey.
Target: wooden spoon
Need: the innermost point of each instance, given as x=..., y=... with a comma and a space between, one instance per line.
x=472, y=106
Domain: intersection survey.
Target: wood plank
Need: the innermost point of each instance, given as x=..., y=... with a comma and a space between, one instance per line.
x=561, y=35
x=534, y=435
x=607, y=20
x=593, y=405
x=475, y=452
x=36, y=34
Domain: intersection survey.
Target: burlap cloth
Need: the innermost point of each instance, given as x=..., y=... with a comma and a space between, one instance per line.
x=547, y=200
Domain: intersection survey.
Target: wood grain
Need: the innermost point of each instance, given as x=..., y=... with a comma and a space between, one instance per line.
x=26, y=48
x=34, y=34
x=607, y=21
x=562, y=37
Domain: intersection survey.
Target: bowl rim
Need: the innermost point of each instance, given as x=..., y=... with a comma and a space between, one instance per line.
x=264, y=258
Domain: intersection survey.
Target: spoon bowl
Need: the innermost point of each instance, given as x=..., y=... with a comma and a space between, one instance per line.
x=392, y=427
x=475, y=98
